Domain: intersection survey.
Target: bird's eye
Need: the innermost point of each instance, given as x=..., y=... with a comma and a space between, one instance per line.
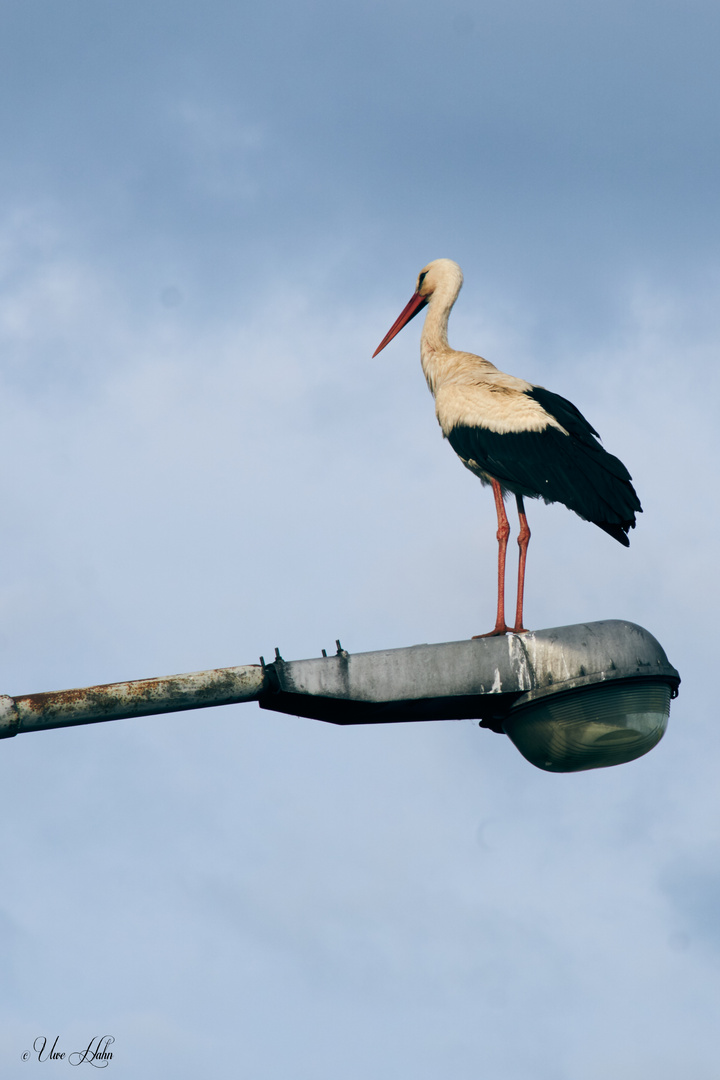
x=422, y=278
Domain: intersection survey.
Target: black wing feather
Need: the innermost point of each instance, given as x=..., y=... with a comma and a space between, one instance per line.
x=563, y=411
x=572, y=469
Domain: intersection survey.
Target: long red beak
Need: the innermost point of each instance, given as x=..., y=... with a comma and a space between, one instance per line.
x=416, y=305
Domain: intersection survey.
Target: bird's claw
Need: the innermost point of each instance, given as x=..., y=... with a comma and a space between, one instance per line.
x=499, y=631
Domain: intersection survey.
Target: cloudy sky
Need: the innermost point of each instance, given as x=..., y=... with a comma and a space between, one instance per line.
x=209, y=217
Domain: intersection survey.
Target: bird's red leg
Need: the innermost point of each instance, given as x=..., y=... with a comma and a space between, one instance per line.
x=523, y=540
x=502, y=538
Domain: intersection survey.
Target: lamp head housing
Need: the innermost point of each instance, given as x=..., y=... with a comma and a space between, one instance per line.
x=569, y=698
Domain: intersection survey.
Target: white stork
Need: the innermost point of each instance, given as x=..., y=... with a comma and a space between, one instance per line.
x=515, y=436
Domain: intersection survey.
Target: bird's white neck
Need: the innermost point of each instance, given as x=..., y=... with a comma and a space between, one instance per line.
x=435, y=352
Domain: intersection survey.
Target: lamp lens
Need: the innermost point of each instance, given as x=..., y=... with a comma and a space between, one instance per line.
x=591, y=728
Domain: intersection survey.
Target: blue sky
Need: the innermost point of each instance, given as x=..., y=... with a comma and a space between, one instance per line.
x=209, y=217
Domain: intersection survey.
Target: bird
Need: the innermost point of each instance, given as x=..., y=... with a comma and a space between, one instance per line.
x=519, y=438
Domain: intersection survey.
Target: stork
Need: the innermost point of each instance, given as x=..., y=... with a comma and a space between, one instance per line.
x=519, y=438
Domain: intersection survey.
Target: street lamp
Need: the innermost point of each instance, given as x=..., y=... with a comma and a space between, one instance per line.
x=569, y=698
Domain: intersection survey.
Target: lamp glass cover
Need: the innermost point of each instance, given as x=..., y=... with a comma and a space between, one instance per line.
x=593, y=727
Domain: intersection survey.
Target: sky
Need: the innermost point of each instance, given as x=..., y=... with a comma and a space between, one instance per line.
x=210, y=215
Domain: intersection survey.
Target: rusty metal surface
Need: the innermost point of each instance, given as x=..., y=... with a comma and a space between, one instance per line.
x=142, y=697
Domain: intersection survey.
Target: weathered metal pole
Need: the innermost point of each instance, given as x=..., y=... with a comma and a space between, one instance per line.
x=486, y=679
x=118, y=701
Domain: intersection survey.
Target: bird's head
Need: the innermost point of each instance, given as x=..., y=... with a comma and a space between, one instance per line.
x=441, y=277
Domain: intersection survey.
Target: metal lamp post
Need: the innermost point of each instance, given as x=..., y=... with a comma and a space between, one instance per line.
x=570, y=698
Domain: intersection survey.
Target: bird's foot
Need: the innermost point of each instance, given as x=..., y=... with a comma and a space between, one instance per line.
x=497, y=632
